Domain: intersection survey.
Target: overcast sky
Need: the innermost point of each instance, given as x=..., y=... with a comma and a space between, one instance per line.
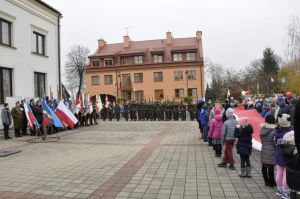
x=234, y=31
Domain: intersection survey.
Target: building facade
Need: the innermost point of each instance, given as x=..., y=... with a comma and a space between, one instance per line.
x=162, y=69
x=29, y=49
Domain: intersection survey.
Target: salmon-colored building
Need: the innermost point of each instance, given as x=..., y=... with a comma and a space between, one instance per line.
x=161, y=69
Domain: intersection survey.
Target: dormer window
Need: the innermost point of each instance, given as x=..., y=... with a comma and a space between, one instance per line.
x=108, y=61
x=177, y=57
x=95, y=63
x=157, y=58
x=125, y=60
x=138, y=59
x=190, y=56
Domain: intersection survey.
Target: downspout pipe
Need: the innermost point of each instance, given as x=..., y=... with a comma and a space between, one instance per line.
x=59, y=56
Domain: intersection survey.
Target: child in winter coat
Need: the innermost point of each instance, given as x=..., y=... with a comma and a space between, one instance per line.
x=215, y=131
x=204, y=122
x=228, y=139
x=280, y=131
x=268, y=150
x=243, y=132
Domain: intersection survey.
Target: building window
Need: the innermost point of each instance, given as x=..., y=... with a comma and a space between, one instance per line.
x=159, y=94
x=125, y=60
x=39, y=84
x=157, y=58
x=108, y=79
x=178, y=75
x=108, y=61
x=177, y=57
x=38, y=43
x=95, y=80
x=138, y=59
x=126, y=79
x=95, y=63
x=179, y=93
x=138, y=77
x=5, y=84
x=139, y=95
x=5, y=32
x=192, y=92
x=190, y=56
x=158, y=76
x=191, y=74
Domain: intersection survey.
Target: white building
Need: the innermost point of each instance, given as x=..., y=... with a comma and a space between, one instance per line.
x=29, y=49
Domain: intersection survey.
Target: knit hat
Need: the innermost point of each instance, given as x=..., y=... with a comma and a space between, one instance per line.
x=229, y=112
x=217, y=111
x=243, y=121
x=284, y=120
x=293, y=101
x=289, y=137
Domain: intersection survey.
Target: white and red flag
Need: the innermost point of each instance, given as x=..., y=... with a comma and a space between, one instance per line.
x=65, y=115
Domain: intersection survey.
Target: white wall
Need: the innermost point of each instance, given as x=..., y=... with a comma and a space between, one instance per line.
x=26, y=16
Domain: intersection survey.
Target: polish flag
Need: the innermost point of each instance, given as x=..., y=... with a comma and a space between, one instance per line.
x=65, y=115
x=30, y=117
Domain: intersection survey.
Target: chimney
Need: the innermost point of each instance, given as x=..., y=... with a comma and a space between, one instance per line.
x=199, y=35
x=101, y=43
x=126, y=41
x=169, y=38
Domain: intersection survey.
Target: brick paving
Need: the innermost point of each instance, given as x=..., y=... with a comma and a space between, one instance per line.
x=125, y=160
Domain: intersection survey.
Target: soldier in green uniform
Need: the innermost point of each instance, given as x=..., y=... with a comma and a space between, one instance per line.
x=182, y=111
x=126, y=115
x=117, y=112
x=17, y=116
x=110, y=111
x=104, y=113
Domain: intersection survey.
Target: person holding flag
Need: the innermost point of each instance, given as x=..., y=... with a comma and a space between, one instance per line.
x=49, y=117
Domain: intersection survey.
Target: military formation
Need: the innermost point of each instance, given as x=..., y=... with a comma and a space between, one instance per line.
x=149, y=111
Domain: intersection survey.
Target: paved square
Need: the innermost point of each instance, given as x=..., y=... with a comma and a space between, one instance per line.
x=125, y=160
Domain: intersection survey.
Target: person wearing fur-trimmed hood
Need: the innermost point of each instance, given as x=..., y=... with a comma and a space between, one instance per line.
x=268, y=150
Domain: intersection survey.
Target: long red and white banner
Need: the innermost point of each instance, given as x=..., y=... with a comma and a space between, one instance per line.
x=255, y=119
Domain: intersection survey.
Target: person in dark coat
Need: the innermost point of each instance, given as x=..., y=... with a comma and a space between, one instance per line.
x=243, y=132
x=291, y=155
x=24, y=119
x=6, y=120
x=268, y=150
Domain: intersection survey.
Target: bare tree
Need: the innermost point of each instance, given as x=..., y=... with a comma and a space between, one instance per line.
x=293, y=43
x=77, y=61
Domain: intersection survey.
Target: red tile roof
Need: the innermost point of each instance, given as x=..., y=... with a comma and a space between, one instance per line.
x=148, y=47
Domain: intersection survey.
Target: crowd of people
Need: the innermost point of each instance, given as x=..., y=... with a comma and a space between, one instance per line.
x=219, y=127
x=280, y=138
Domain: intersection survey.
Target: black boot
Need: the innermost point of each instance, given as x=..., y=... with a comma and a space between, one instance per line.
x=264, y=171
x=272, y=182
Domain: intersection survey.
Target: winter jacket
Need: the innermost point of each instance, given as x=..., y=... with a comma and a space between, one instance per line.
x=38, y=113
x=244, y=143
x=203, y=117
x=6, y=116
x=279, y=133
x=229, y=128
x=292, y=161
x=268, y=148
x=215, y=130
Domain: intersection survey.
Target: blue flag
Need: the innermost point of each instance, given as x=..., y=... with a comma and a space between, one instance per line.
x=48, y=111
